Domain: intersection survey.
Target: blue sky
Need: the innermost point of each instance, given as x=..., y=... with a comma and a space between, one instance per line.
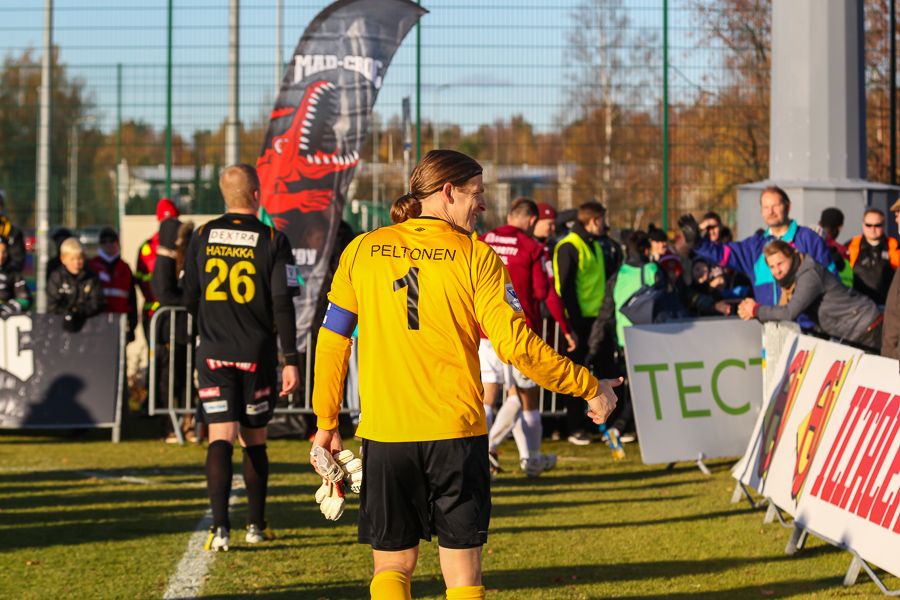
x=481, y=61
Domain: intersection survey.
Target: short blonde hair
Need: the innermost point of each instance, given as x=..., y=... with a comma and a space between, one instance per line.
x=71, y=246
x=239, y=183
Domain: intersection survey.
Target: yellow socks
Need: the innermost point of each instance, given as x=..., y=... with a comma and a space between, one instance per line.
x=394, y=585
x=466, y=592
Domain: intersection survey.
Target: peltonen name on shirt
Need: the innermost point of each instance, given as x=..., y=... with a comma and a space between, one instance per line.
x=235, y=251
x=391, y=251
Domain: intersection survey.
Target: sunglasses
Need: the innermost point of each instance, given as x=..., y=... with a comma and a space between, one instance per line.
x=874, y=225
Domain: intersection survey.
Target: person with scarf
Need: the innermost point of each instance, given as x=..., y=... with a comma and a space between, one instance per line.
x=808, y=288
x=117, y=279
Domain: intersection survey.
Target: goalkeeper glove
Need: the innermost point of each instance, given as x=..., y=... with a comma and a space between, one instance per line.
x=330, y=498
x=328, y=468
x=352, y=468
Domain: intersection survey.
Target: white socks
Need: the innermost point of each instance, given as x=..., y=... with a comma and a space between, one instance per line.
x=533, y=430
x=489, y=416
x=504, y=421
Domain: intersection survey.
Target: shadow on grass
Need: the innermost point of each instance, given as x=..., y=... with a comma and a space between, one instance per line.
x=558, y=582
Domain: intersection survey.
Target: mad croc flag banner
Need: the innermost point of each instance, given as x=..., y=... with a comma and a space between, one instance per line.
x=317, y=129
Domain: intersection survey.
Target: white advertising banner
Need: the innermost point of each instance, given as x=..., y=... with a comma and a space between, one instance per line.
x=851, y=494
x=810, y=375
x=696, y=387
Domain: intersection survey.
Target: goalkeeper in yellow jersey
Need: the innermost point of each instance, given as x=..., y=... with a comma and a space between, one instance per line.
x=419, y=290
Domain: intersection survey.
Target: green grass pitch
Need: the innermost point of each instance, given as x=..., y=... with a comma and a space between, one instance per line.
x=89, y=519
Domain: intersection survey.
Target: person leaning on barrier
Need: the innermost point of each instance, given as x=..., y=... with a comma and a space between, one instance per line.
x=239, y=282
x=118, y=281
x=746, y=256
x=15, y=297
x=807, y=288
x=421, y=288
x=174, y=237
x=74, y=290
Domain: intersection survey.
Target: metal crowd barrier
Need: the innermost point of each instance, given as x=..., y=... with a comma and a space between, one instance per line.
x=550, y=403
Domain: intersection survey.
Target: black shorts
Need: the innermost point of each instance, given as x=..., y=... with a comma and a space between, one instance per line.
x=412, y=490
x=242, y=392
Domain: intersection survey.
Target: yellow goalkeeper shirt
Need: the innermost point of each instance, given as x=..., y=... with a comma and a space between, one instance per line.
x=420, y=290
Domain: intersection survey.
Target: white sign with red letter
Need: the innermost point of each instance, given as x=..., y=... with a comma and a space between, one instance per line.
x=854, y=478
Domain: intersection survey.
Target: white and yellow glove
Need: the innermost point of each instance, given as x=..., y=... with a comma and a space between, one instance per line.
x=326, y=464
x=352, y=468
x=330, y=498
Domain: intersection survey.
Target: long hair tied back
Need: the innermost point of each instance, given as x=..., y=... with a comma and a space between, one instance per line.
x=434, y=170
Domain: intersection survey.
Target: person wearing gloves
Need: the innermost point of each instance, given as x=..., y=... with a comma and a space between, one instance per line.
x=807, y=288
x=422, y=288
x=15, y=297
x=746, y=255
x=74, y=290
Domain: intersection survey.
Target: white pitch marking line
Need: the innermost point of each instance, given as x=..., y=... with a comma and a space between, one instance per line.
x=188, y=578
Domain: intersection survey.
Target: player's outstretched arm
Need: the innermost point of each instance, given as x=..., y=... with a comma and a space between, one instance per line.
x=604, y=402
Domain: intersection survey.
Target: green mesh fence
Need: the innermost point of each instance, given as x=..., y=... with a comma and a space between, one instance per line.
x=560, y=101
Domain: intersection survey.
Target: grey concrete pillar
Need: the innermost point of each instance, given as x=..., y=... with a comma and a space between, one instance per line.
x=818, y=123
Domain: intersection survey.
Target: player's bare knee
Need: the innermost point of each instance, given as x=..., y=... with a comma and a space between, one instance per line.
x=403, y=561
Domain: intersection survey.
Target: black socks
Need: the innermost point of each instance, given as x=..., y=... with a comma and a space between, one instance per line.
x=256, y=478
x=219, y=470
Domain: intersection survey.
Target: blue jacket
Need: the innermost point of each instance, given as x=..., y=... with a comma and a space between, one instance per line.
x=747, y=257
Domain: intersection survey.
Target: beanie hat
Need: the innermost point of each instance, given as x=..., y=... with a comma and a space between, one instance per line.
x=670, y=262
x=166, y=209
x=545, y=211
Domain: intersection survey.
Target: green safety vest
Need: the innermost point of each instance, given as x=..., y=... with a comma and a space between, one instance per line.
x=629, y=281
x=590, y=278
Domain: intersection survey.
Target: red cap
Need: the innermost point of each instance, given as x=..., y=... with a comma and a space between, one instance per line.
x=670, y=262
x=166, y=209
x=545, y=211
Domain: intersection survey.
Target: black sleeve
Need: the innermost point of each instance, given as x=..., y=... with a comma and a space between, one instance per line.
x=191, y=282
x=132, y=304
x=164, y=282
x=567, y=267
x=286, y=323
x=56, y=302
x=16, y=249
x=284, y=269
x=606, y=315
x=93, y=301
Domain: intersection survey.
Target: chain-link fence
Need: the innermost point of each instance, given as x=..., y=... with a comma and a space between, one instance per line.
x=561, y=101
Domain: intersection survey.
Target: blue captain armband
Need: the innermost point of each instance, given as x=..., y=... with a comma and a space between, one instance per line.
x=339, y=320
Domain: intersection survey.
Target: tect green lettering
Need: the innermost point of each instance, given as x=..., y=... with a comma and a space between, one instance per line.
x=684, y=390
x=731, y=362
x=654, y=388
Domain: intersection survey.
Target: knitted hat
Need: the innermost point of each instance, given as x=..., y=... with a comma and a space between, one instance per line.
x=670, y=262
x=166, y=209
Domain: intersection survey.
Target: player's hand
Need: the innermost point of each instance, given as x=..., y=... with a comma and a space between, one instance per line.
x=330, y=498
x=723, y=307
x=604, y=402
x=572, y=340
x=329, y=439
x=290, y=379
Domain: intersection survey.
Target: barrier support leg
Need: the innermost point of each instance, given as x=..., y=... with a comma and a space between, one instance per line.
x=176, y=427
x=701, y=466
x=853, y=571
x=770, y=514
x=797, y=540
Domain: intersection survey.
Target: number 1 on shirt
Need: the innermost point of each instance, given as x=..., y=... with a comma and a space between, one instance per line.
x=411, y=282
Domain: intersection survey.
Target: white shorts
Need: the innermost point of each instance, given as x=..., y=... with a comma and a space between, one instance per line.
x=494, y=371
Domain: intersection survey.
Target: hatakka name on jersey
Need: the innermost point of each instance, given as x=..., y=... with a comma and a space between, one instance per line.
x=235, y=251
